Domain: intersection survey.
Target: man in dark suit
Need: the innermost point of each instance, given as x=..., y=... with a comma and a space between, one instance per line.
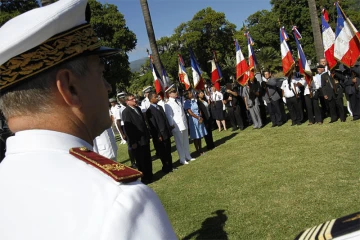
x=138, y=137
x=328, y=90
x=234, y=112
x=160, y=131
x=271, y=97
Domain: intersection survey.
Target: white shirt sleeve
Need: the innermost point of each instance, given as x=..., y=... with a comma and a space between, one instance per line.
x=137, y=213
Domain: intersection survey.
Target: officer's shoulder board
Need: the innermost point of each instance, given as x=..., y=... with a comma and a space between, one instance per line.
x=118, y=172
x=347, y=227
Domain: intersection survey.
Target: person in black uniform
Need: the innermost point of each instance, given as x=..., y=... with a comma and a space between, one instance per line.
x=339, y=94
x=138, y=137
x=232, y=105
x=160, y=131
x=328, y=90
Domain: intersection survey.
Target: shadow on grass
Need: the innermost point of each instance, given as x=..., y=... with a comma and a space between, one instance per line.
x=211, y=228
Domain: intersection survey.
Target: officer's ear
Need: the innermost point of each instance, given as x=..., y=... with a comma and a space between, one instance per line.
x=67, y=83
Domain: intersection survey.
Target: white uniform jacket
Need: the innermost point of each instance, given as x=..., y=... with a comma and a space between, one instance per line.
x=105, y=144
x=46, y=193
x=176, y=115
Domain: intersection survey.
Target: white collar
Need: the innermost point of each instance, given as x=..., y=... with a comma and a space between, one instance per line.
x=35, y=140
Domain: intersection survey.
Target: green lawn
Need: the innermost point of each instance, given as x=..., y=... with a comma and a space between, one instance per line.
x=269, y=183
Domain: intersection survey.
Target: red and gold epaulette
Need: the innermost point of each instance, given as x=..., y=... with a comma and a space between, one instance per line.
x=117, y=171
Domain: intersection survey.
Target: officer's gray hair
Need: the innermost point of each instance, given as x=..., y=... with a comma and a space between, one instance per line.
x=34, y=95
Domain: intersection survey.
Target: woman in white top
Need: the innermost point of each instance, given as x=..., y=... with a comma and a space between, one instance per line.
x=217, y=97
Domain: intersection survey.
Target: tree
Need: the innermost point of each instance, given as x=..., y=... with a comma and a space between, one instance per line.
x=316, y=30
x=268, y=59
x=110, y=26
x=207, y=31
x=151, y=34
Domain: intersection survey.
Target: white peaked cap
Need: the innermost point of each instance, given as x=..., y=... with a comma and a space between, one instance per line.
x=34, y=27
x=45, y=37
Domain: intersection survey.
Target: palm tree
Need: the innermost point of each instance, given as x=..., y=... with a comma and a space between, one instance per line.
x=151, y=34
x=268, y=59
x=316, y=29
x=229, y=67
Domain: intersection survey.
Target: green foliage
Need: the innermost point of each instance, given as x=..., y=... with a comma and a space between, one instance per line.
x=139, y=81
x=269, y=59
x=110, y=26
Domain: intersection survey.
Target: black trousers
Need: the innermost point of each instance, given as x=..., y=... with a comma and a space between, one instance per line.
x=332, y=107
x=309, y=108
x=164, y=150
x=316, y=108
x=354, y=100
x=235, y=118
x=293, y=105
x=275, y=113
x=143, y=160
x=340, y=107
x=209, y=137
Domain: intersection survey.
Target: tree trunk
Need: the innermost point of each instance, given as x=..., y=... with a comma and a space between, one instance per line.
x=316, y=30
x=151, y=34
x=47, y=2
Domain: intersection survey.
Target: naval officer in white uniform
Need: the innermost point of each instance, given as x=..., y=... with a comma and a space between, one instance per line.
x=145, y=103
x=53, y=94
x=177, y=120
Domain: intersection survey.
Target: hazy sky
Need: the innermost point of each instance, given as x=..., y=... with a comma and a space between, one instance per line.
x=166, y=15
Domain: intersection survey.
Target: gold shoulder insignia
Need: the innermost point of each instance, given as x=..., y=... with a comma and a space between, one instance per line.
x=117, y=171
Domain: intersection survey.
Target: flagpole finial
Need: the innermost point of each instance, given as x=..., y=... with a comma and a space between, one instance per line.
x=148, y=52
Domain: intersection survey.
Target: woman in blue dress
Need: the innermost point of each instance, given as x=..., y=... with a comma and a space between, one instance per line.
x=196, y=122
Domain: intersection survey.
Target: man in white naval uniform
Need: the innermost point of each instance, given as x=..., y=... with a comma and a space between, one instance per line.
x=52, y=186
x=177, y=120
x=145, y=103
x=116, y=113
x=105, y=144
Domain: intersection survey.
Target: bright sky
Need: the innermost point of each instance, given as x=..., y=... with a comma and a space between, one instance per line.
x=166, y=15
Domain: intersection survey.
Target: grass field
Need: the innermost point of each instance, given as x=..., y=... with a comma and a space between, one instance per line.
x=269, y=183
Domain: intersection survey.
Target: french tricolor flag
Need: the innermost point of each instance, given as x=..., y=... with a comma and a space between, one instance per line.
x=165, y=79
x=328, y=37
x=287, y=59
x=303, y=64
x=347, y=40
x=216, y=74
x=252, y=58
x=196, y=72
x=183, y=77
x=241, y=66
x=157, y=79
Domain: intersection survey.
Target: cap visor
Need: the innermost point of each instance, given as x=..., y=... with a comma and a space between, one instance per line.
x=106, y=51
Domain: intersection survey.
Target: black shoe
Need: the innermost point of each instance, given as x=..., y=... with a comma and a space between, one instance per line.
x=299, y=124
x=274, y=125
x=234, y=130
